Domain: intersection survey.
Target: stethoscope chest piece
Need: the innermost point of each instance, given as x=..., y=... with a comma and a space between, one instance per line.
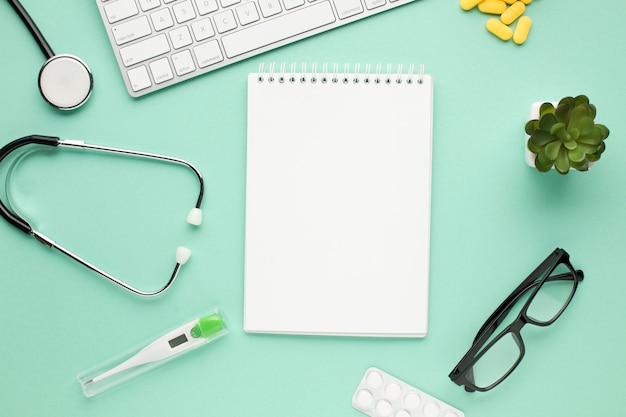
x=65, y=82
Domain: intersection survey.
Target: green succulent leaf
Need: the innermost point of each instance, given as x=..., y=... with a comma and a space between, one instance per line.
x=547, y=121
x=541, y=138
x=592, y=138
x=532, y=147
x=570, y=145
x=564, y=135
x=542, y=164
x=531, y=126
x=543, y=160
x=562, y=161
x=581, y=99
x=604, y=131
x=563, y=109
x=588, y=149
x=562, y=113
x=585, y=125
x=552, y=149
x=579, y=165
x=592, y=111
x=576, y=155
x=556, y=127
x=591, y=157
x=576, y=115
x=546, y=108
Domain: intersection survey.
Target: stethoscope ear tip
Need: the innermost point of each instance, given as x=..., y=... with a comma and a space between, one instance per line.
x=195, y=217
x=182, y=255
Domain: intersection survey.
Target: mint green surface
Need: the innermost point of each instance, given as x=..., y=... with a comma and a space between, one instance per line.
x=208, y=326
x=493, y=220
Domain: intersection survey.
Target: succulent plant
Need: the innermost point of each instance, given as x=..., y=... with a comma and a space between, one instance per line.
x=566, y=136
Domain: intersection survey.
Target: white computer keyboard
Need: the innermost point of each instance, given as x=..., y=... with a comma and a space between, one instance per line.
x=159, y=43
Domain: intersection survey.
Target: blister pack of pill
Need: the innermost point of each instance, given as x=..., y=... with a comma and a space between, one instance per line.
x=382, y=395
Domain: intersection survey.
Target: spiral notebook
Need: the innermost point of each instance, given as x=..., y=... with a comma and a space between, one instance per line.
x=338, y=202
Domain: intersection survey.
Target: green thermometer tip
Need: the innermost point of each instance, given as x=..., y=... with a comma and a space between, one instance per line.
x=208, y=326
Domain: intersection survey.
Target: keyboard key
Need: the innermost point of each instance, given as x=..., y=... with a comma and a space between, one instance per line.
x=183, y=62
x=225, y=21
x=120, y=10
x=143, y=50
x=139, y=78
x=202, y=29
x=291, y=4
x=131, y=30
x=163, y=42
x=161, y=70
x=208, y=53
x=372, y=4
x=180, y=37
x=247, y=13
x=149, y=4
x=348, y=8
x=269, y=7
x=184, y=11
x=206, y=6
x=162, y=19
x=278, y=29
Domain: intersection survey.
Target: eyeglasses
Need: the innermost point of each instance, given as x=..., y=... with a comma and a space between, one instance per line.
x=498, y=347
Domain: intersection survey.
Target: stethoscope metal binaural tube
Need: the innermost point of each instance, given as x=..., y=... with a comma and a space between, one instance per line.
x=194, y=217
x=83, y=145
x=46, y=241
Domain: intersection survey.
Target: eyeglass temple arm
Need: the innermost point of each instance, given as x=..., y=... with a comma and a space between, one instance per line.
x=500, y=314
x=492, y=323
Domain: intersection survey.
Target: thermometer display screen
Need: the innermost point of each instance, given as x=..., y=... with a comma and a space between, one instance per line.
x=177, y=341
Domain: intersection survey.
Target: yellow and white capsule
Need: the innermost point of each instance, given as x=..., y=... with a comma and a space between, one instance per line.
x=499, y=29
x=513, y=12
x=492, y=6
x=521, y=30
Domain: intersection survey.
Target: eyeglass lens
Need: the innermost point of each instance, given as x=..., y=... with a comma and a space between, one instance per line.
x=553, y=295
x=504, y=351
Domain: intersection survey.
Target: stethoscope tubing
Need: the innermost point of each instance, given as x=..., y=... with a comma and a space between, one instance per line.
x=7, y=149
x=21, y=224
x=32, y=27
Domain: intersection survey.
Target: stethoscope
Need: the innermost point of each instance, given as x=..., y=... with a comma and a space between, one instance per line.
x=194, y=217
x=65, y=81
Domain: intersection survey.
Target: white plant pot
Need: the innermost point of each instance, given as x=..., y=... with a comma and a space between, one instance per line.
x=534, y=114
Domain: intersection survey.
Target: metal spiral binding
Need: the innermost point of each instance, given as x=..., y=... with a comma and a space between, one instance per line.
x=334, y=76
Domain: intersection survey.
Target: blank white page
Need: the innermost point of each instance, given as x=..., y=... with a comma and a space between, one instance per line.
x=338, y=206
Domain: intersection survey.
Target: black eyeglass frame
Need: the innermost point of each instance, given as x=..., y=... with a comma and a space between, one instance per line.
x=462, y=372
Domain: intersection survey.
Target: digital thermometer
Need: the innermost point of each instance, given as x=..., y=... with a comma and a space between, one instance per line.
x=187, y=337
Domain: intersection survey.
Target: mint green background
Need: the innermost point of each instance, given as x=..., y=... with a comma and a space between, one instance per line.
x=493, y=220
